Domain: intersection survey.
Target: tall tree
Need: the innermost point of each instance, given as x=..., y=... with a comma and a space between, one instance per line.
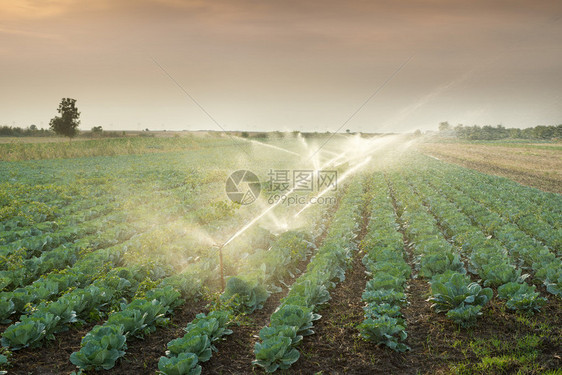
x=67, y=123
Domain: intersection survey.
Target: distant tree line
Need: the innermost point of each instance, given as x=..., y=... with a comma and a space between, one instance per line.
x=488, y=132
x=32, y=131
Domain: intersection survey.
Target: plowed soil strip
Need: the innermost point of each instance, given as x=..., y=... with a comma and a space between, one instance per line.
x=438, y=345
x=52, y=358
x=426, y=329
x=420, y=319
x=536, y=168
x=336, y=347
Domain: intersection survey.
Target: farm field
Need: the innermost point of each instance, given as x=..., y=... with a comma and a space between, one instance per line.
x=21, y=140
x=110, y=258
x=41, y=148
x=537, y=165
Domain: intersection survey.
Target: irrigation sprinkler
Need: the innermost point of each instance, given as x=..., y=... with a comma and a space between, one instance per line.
x=222, y=268
x=263, y=213
x=221, y=263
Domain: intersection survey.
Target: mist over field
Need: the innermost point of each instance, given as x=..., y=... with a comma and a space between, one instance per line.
x=249, y=187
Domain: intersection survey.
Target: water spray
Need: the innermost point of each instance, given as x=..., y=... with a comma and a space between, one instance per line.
x=258, y=217
x=270, y=146
x=329, y=152
x=238, y=233
x=342, y=178
x=311, y=156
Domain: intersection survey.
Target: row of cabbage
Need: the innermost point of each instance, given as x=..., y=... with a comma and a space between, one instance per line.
x=257, y=277
x=85, y=290
x=50, y=318
x=106, y=343
x=88, y=292
x=56, y=244
x=243, y=294
x=91, y=268
x=79, y=263
x=296, y=313
x=513, y=202
x=20, y=269
x=384, y=261
x=487, y=257
x=89, y=288
x=74, y=212
x=110, y=241
x=452, y=291
x=545, y=206
x=37, y=255
x=57, y=233
x=528, y=253
x=35, y=205
x=108, y=295
x=24, y=205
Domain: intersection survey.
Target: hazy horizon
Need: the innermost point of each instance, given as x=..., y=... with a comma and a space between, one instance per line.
x=266, y=66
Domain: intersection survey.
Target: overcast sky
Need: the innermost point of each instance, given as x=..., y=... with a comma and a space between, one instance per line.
x=282, y=65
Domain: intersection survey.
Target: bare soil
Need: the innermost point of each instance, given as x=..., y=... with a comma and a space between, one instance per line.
x=539, y=168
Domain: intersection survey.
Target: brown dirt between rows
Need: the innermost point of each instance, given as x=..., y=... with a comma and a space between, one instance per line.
x=142, y=355
x=335, y=348
x=436, y=343
x=141, y=358
x=52, y=358
x=235, y=355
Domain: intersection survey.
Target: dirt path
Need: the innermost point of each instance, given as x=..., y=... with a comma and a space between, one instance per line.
x=336, y=347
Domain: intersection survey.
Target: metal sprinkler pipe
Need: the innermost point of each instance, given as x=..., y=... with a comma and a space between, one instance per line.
x=222, y=268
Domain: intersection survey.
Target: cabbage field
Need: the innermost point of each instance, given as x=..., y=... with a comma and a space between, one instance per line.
x=139, y=263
